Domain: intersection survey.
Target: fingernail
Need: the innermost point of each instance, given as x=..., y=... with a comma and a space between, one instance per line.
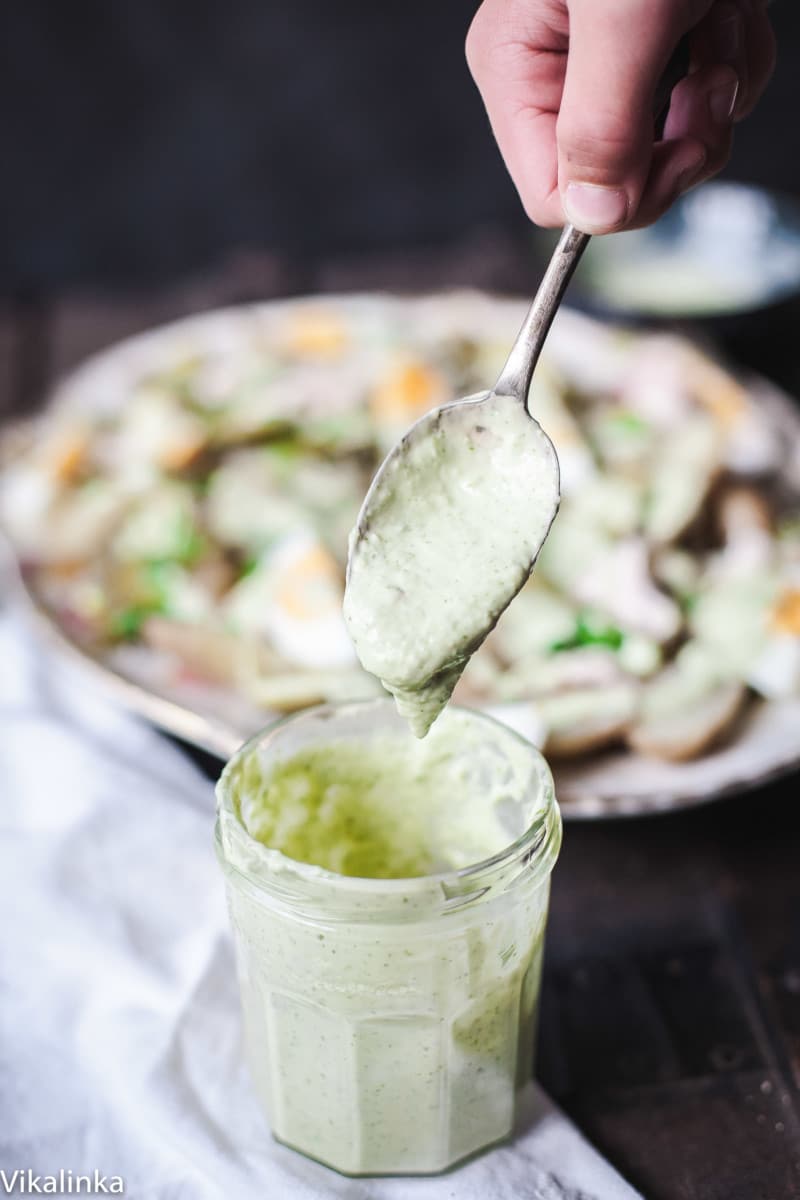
x=722, y=102
x=595, y=209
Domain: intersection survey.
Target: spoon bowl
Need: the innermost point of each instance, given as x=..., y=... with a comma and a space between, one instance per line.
x=416, y=618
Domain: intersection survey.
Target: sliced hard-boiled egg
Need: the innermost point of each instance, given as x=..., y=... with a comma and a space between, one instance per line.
x=65, y=452
x=775, y=672
x=752, y=623
x=732, y=618
x=785, y=615
x=157, y=433
x=405, y=392
x=294, y=598
x=315, y=332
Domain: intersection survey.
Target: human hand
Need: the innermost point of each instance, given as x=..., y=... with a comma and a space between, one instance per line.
x=569, y=87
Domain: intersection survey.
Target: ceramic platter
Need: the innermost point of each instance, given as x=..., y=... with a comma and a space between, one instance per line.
x=427, y=345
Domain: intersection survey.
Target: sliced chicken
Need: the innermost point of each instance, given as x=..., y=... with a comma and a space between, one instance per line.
x=619, y=583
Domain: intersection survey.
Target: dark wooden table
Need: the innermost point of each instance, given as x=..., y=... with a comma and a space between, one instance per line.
x=671, y=1013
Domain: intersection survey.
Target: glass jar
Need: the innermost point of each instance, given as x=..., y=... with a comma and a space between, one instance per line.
x=389, y=1022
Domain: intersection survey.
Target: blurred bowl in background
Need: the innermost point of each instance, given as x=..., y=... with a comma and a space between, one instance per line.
x=724, y=250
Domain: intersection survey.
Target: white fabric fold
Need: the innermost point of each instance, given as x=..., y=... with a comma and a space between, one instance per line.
x=120, y=1033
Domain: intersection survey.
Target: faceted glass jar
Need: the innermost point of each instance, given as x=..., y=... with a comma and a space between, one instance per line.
x=389, y=1022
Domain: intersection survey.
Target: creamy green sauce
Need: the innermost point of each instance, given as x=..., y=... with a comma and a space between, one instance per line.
x=447, y=538
x=389, y=1026
x=386, y=808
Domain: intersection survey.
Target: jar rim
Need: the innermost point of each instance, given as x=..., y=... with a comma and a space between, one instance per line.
x=538, y=843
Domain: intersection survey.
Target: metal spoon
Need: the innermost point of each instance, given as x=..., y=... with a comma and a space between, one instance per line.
x=413, y=515
x=515, y=377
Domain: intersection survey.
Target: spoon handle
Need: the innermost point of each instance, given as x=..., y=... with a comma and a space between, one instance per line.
x=515, y=377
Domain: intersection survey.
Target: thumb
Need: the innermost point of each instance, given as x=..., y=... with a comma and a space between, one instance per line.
x=605, y=137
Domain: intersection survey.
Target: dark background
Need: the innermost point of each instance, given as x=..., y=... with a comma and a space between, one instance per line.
x=143, y=139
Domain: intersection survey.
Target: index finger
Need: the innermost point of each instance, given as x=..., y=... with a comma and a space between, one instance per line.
x=518, y=67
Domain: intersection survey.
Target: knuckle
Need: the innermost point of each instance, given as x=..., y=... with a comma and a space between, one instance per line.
x=492, y=28
x=496, y=43
x=475, y=46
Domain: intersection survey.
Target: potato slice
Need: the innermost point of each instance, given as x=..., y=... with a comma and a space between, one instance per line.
x=582, y=720
x=682, y=714
x=212, y=653
x=536, y=675
x=53, y=526
x=291, y=691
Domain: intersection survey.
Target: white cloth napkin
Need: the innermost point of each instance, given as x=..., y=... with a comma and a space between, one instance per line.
x=120, y=1036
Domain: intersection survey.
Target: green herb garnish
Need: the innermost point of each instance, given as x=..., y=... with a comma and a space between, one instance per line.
x=589, y=633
